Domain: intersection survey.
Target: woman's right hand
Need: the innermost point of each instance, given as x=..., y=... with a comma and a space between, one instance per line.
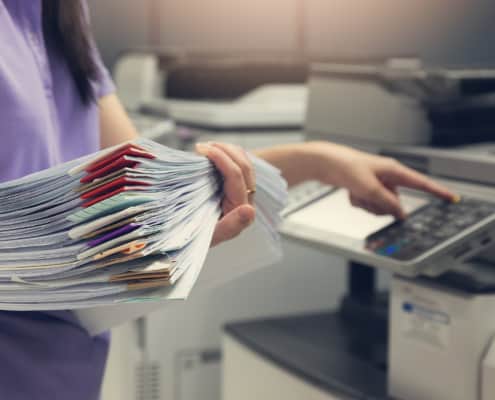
x=239, y=181
x=372, y=180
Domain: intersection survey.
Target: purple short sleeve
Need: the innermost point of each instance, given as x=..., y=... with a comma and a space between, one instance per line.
x=44, y=122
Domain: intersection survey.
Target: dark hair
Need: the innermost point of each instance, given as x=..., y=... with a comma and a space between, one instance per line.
x=66, y=30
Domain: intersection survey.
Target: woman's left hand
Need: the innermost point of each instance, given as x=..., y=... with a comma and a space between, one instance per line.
x=372, y=180
x=239, y=184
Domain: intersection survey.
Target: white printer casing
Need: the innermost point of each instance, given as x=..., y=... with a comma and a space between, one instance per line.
x=439, y=339
x=343, y=106
x=488, y=374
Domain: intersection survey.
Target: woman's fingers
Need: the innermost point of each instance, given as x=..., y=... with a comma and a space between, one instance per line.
x=356, y=202
x=378, y=206
x=403, y=176
x=236, y=170
x=234, y=184
x=387, y=202
x=239, y=156
x=233, y=223
x=381, y=200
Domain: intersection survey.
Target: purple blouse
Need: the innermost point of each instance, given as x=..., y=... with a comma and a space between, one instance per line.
x=43, y=122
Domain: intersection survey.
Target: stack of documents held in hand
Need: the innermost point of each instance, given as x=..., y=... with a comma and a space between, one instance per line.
x=127, y=224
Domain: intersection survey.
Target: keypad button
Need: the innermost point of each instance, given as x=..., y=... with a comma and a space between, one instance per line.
x=428, y=227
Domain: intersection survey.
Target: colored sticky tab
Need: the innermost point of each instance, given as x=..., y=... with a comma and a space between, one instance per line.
x=101, y=154
x=112, y=193
x=126, y=249
x=133, y=247
x=101, y=181
x=109, y=228
x=128, y=150
x=156, y=283
x=122, y=162
x=107, y=187
x=102, y=223
x=111, y=205
x=113, y=234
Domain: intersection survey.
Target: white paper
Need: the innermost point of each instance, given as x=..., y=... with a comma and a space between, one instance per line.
x=335, y=214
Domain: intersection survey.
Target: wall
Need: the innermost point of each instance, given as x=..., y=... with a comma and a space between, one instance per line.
x=118, y=25
x=227, y=24
x=442, y=31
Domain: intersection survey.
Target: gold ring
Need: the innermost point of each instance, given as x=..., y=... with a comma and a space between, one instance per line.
x=250, y=191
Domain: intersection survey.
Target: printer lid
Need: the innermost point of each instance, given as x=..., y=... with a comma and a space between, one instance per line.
x=473, y=164
x=409, y=76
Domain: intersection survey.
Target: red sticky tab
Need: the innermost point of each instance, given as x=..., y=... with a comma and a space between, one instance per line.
x=129, y=149
x=113, y=193
x=119, y=163
x=112, y=185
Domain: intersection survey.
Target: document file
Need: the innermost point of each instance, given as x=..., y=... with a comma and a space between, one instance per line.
x=128, y=224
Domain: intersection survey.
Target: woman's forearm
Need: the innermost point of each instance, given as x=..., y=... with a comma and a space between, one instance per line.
x=295, y=161
x=301, y=161
x=372, y=181
x=115, y=125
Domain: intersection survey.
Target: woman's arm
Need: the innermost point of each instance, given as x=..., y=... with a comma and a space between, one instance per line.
x=115, y=125
x=296, y=161
x=372, y=180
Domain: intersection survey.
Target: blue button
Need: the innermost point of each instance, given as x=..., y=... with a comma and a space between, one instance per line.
x=389, y=250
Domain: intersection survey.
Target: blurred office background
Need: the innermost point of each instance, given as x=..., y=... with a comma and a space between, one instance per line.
x=453, y=32
x=441, y=31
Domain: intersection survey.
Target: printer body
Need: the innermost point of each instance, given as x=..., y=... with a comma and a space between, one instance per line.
x=247, y=99
x=439, y=342
x=441, y=329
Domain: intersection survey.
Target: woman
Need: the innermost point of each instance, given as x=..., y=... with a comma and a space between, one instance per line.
x=56, y=104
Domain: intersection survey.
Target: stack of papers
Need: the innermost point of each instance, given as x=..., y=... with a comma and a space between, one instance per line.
x=129, y=224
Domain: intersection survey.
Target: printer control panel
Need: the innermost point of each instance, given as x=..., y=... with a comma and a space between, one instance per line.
x=429, y=227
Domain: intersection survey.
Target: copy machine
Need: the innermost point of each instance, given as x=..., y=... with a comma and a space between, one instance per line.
x=178, y=97
x=430, y=337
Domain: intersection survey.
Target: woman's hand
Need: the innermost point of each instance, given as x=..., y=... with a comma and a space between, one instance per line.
x=239, y=184
x=372, y=180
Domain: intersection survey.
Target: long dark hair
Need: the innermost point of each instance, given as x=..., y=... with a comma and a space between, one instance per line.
x=66, y=29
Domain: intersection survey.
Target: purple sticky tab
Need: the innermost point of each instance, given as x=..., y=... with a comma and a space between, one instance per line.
x=113, y=234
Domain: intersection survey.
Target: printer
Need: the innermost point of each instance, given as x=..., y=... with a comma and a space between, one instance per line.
x=253, y=100
x=437, y=326
x=440, y=329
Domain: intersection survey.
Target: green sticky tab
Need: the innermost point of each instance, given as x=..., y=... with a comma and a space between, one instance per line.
x=111, y=205
x=143, y=299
